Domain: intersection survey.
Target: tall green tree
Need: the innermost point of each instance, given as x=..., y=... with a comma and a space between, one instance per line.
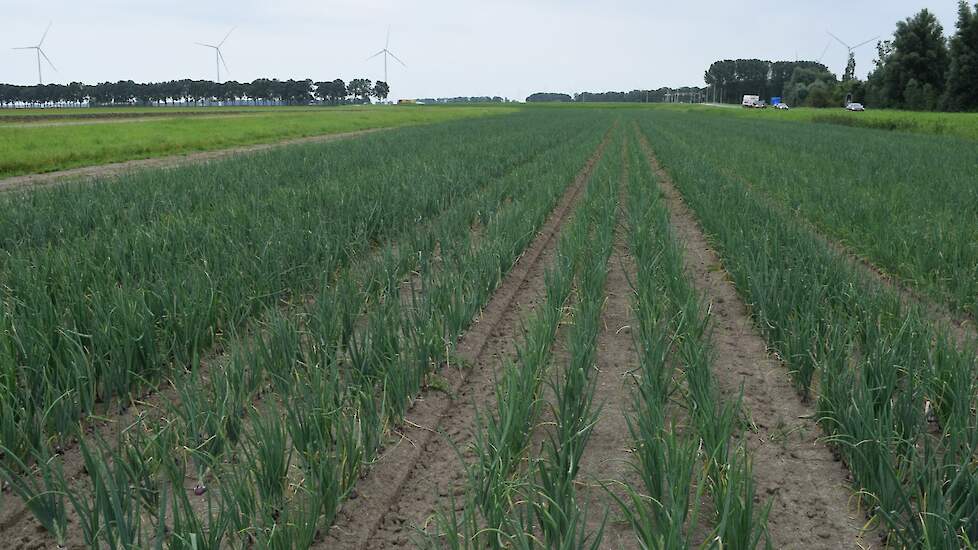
x=361, y=87
x=918, y=63
x=962, y=78
x=381, y=90
x=810, y=86
x=850, y=73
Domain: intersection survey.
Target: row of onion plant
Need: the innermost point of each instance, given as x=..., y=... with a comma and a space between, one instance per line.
x=265, y=448
x=110, y=287
x=896, y=397
x=677, y=466
x=516, y=497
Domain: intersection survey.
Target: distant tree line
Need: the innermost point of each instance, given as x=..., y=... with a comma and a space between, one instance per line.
x=548, y=97
x=919, y=68
x=689, y=94
x=464, y=99
x=728, y=81
x=260, y=91
x=686, y=94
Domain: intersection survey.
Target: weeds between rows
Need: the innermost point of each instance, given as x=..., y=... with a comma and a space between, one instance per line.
x=108, y=287
x=274, y=478
x=895, y=396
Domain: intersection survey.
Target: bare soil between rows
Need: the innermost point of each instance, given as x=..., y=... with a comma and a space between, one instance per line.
x=809, y=488
x=606, y=464
x=422, y=470
x=120, y=168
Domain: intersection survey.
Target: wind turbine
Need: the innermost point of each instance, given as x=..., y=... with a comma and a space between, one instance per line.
x=848, y=47
x=825, y=51
x=40, y=54
x=218, y=57
x=387, y=53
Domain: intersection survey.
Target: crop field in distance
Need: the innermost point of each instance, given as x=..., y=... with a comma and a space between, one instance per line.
x=574, y=327
x=43, y=140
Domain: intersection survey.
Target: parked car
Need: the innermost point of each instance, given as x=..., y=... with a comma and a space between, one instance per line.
x=782, y=106
x=855, y=107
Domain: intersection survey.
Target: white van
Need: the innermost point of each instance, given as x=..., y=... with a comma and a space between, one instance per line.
x=751, y=101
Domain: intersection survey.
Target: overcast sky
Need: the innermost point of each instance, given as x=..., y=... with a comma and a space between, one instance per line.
x=451, y=47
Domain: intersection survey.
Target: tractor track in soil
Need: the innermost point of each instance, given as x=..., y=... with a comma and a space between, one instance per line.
x=421, y=471
x=810, y=489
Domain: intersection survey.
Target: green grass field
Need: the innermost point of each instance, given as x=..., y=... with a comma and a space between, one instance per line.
x=29, y=149
x=950, y=124
x=90, y=112
x=963, y=125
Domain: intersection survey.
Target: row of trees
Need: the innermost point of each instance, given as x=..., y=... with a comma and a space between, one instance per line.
x=463, y=99
x=260, y=91
x=918, y=68
x=549, y=97
x=731, y=79
x=921, y=69
x=686, y=94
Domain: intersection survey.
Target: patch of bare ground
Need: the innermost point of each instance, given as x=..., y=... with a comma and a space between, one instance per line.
x=606, y=461
x=121, y=168
x=810, y=490
x=421, y=470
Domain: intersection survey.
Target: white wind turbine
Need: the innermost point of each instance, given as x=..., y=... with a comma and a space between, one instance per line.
x=218, y=57
x=40, y=53
x=825, y=51
x=387, y=53
x=848, y=47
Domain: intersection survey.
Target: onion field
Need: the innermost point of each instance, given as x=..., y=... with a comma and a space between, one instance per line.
x=550, y=328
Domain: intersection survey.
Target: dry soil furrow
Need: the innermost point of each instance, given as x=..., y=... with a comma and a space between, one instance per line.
x=120, y=168
x=810, y=489
x=606, y=459
x=422, y=470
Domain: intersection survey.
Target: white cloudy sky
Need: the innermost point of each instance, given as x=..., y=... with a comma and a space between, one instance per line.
x=452, y=47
